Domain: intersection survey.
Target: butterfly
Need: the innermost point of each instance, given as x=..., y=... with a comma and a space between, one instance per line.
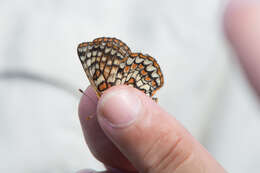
x=109, y=61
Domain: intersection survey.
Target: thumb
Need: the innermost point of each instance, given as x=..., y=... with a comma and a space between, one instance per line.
x=151, y=139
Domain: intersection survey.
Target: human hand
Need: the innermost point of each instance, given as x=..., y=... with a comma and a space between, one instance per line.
x=129, y=132
x=155, y=141
x=242, y=26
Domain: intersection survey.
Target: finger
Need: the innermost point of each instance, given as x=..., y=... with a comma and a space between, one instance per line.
x=148, y=136
x=100, y=146
x=242, y=26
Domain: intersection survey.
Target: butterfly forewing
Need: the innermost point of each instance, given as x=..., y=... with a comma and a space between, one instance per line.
x=109, y=62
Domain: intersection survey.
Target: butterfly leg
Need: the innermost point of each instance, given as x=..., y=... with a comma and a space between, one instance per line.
x=155, y=99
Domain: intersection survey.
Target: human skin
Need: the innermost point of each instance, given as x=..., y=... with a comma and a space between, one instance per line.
x=131, y=133
x=242, y=26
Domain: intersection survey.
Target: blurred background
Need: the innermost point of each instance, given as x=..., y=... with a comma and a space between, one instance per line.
x=40, y=75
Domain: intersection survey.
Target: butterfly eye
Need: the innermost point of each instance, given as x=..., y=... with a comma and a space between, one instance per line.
x=109, y=61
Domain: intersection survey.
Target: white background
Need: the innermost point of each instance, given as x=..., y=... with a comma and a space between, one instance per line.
x=40, y=73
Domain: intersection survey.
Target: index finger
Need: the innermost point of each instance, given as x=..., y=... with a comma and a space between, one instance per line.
x=99, y=144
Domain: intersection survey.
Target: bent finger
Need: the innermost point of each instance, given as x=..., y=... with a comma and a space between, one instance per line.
x=99, y=144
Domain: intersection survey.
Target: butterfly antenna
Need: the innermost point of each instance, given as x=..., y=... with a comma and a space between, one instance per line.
x=90, y=116
x=82, y=92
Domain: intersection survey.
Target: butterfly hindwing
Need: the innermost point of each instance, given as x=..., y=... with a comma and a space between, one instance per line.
x=145, y=73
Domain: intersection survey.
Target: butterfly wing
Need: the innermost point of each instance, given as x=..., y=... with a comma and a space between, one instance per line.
x=103, y=62
x=144, y=73
x=108, y=62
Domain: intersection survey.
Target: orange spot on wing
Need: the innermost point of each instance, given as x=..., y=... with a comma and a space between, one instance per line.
x=143, y=72
x=150, y=58
x=102, y=65
x=160, y=73
x=131, y=81
x=102, y=86
x=115, y=47
x=153, y=83
x=156, y=65
x=141, y=66
x=98, y=73
x=133, y=66
x=147, y=78
x=116, y=40
x=126, y=69
x=109, y=44
x=134, y=54
x=142, y=56
x=83, y=45
x=127, y=48
x=153, y=92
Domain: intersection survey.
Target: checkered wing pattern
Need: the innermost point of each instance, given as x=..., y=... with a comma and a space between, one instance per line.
x=109, y=62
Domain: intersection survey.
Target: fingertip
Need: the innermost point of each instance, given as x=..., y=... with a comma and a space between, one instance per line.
x=119, y=106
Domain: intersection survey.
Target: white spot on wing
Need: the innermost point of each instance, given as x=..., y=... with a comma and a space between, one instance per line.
x=130, y=61
x=147, y=62
x=83, y=58
x=119, y=75
x=88, y=62
x=116, y=62
x=109, y=62
x=113, y=52
x=89, y=54
x=135, y=74
x=100, y=80
x=139, y=83
x=158, y=81
x=122, y=65
x=94, y=53
x=118, y=82
x=155, y=74
x=92, y=70
x=99, y=53
x=138, y=60
x=104, y=58
x=138, y=77
x=84, y=49
x=145, y=87
x=128, y=76
x=150, y=68
x=107, y=50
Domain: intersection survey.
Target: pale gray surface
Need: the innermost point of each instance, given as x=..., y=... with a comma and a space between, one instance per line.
x=204, y=87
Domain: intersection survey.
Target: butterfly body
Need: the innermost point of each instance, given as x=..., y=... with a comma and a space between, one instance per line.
x=109, y=62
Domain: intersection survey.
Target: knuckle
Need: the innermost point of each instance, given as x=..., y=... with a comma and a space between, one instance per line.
x=166, y=153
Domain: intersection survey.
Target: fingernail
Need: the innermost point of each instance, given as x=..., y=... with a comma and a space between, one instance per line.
x=119, y=108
